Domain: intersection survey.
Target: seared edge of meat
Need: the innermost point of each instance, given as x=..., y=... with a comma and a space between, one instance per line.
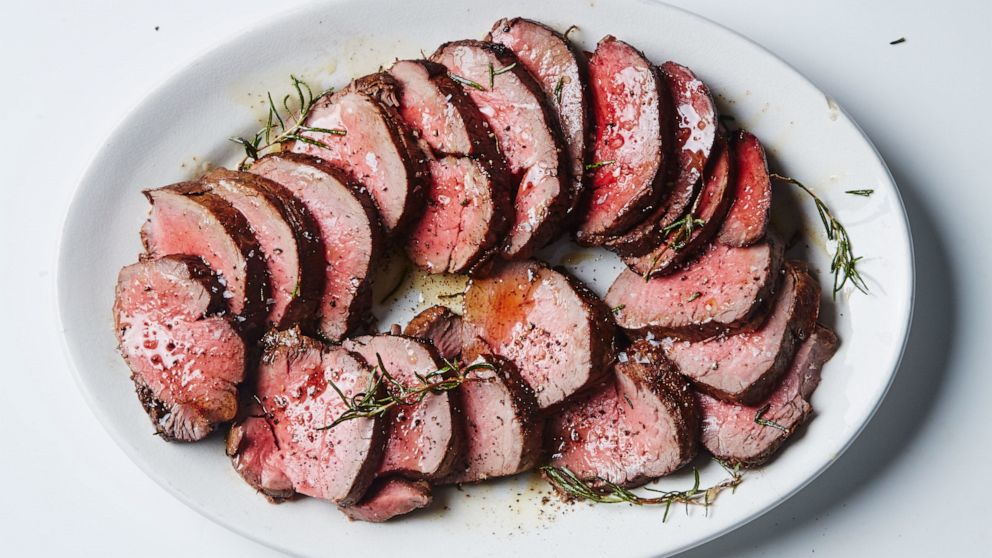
x=305, y=297
x=731, y=432
x=725, y=291
x=532, y=227
x=441, y=327
x=388, y=498
x=167, y=317
x=561, y=70
x=255, y=306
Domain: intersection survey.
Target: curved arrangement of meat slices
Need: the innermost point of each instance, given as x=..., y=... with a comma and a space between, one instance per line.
x=472, y=161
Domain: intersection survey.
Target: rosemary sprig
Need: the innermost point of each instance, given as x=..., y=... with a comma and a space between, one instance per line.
x=764, y=422
x=844, y=264
x=865, y=193
x=386, y=392
x=297, y=109
x=493, y=73
x=567, y=482
x=599, y=164
x=465, y=81
x=678, y=236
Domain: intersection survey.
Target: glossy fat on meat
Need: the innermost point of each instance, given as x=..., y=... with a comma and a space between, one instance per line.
x=373, y=145
x=550, y=326
x=289, y=237
x=350, y=232
x=527, y=134
x=389, y=498
x=695, y=134
x=561, y=71
x=423, y=439
x=186, y=360
x=186, y=218
x=640, y=425
x=464, y=219
x=707, y=213
x=745, y=367
x=629, y=152
x=441, y=327
x=725, y=290
x=285, y=445
x=747, y=218
x=731, y=432
x=500, y=418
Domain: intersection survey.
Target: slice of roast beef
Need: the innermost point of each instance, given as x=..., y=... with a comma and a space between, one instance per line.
x=547, y=323
x=695, y=133
x=465, y=217
x=733, y=433
x=745, y=367
x=685, y=238
x=560, y=69
x=443, y=115
x=629, y=102
x=290, y=240
x=186, y=360
x=640, y=425
x=441, y=327
x=747, y=218
x=186, y=218
x=373, y=144
x=424, y=440
x=349, y=227
x=527, y=134
x=286, y=445
x=725, y=290
x=501, y=421
x=388, y=498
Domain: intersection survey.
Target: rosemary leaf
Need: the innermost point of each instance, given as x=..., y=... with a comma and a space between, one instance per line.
x=598, y=164
x=617, y=309
x=558, y=87
x=767, y=423
x=466, y=82
x=865, y=193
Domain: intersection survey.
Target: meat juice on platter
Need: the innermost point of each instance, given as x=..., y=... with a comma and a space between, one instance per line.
x=252, y=309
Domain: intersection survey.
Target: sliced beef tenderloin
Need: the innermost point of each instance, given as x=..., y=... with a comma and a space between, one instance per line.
x=285, y=445
x=373, y=144
x=441, y=327
x=727, y=289
x=745, y=367
x=733, y=433
x=290, y=240
x=443, y=115
x=685, y=238
x=527, y=134
x=547, y=323
x=424, y=440
x=186, y=218
x=638, y=426
x=349, y=229
x=186, y=360
x=560, y=69
x=747, y=218
x=501, y=420
x=632, y=124
x=465, y=217
x=389, y=498
x=695, y=133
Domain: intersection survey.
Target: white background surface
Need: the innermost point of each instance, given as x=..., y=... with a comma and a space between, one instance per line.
x=913, y=484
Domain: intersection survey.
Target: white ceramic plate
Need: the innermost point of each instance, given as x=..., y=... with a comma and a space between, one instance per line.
x=184, y=124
